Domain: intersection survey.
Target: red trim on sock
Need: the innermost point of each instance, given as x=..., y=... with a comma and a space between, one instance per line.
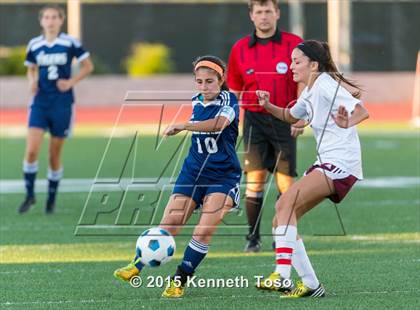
x=284, y=250
x=283, y=261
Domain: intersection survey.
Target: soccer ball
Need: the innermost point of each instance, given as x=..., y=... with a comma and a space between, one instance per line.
x=155, y=247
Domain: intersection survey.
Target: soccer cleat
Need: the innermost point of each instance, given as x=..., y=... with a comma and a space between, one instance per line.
x=26, y=205
x=253, y=246
x=127, y=272
x=301, y=291
x=173, y=290
x=275, y=282
x=49, y=208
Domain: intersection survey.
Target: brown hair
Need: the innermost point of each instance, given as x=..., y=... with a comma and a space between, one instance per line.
x=218, y=62
x=251, y=3
x=56, y=7
x=320, y=52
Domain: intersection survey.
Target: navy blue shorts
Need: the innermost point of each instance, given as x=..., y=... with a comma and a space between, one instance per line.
x=187, y=185
x=57, y=121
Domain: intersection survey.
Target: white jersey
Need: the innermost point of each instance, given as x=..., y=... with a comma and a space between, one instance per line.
x=335, y=145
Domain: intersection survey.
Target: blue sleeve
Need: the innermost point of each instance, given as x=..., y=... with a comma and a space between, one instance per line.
x=233, y=100
x=78, y=51
x=228, y=108
x=30, y=58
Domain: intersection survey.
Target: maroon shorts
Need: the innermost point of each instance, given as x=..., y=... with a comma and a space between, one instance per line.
x=342, y=180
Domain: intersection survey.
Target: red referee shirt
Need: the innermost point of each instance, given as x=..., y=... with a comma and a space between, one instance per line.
x=263, y=64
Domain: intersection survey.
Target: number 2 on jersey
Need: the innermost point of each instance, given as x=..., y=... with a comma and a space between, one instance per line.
x=210, y=144
x=52, y=72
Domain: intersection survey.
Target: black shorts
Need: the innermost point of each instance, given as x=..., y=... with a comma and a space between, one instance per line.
x=268, y=144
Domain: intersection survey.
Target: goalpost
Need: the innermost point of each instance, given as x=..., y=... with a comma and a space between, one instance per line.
x=74, y=19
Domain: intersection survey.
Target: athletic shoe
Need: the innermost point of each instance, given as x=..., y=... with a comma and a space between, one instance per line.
x=49, y=207
x=301, y=291
x=26, y=205
x=127, y=272
x=274, y=282
x=253, y=246
x=173, y=290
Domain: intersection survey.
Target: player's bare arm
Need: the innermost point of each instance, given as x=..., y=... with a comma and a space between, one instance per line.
x=280, y=113
x=85, y=69
x=212, y=125
x=32, y=74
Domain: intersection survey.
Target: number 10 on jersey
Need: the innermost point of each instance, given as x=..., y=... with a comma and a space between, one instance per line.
x=209, y=143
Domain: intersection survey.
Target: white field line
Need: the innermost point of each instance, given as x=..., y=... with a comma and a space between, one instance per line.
x=85, y=185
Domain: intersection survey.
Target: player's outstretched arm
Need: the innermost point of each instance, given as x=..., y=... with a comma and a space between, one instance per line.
x=85, y=69
x=212, y=125
x=342, y=119
x=280, y=113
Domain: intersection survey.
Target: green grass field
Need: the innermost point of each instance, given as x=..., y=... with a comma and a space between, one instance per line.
x=365, y=251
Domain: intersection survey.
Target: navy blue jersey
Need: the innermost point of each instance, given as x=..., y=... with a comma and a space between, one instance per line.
x=54, y=62
x=212, y=155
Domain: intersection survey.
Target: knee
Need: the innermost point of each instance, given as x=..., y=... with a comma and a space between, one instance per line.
x=285, y=203
x=255, y=182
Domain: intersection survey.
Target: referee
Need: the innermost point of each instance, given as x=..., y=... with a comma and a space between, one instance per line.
x=261, y=61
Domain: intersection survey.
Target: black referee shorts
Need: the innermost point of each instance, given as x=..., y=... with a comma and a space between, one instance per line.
x=268, y=144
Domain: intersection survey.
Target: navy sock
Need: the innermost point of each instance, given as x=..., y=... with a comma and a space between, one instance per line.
x=29, y=184
x=52, y=191
x=54, y=178
x=254, y=205
x=29, y=175
x=193, y=255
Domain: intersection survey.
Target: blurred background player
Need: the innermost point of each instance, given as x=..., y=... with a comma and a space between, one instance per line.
x=333, y=113
x=261, y=61
x=48, y=58
x=210, y=175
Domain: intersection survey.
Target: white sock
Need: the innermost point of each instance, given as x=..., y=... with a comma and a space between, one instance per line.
x=273, y=231
x=55, y=175
x=285, y=242
x=303, y=266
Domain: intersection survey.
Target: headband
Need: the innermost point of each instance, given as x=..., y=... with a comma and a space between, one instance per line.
x=211, y=65
x=308, y=51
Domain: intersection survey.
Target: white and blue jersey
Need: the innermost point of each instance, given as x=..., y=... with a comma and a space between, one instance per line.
x=54, y=62
x=51, y=109
x=212, y=164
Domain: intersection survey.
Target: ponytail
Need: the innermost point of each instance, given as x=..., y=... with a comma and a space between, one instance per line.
x=320, y=52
